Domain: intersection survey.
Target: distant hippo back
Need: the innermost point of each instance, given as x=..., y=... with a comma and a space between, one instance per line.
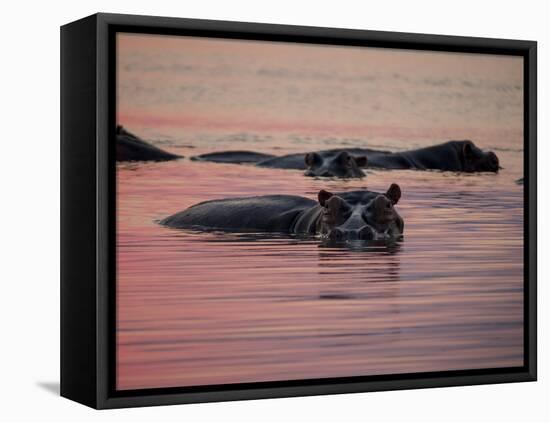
x=454, y=156
x=268, y=213
x=131, y=148
x=237, y=156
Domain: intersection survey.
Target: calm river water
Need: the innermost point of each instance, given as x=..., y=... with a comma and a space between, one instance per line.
x=209, y=308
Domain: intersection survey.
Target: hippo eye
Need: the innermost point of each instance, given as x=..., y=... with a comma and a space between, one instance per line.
x=312, y=159
x=344, y=158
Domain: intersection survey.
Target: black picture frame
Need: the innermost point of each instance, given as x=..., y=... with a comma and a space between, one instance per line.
x=88, y=206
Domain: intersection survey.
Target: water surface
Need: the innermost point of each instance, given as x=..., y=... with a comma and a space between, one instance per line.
x=197, y=308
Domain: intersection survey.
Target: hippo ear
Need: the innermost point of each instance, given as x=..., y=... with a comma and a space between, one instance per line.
x=394, y=193
x=361, y=161
x=324, y=196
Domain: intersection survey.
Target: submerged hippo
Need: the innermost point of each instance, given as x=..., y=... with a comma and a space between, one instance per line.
x=456, y=156
x=131, y=148
x=337, y=163
x=364, y=215
x=236, y=156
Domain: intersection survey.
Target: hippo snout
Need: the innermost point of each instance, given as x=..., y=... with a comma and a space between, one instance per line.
x=322, y=173
x=494, y=165
x=364, y=233
x=336, y=234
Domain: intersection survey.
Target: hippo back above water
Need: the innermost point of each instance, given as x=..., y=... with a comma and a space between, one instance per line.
x=129, y=147
x=236, y=157
x=455, y=156
x=364, y=215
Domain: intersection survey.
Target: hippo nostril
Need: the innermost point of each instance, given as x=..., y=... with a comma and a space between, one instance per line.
x=336, y=234
x=493, y=162
x=366, y=233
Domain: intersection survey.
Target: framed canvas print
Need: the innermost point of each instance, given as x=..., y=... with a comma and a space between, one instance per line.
x=255, y=211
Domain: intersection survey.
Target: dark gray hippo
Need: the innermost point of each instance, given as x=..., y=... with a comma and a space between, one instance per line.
x=455, y=156
x=236, y=157
x=338, y=163
x=341, y=165
x=330, y=163
x=364, y=215
x=132, y=148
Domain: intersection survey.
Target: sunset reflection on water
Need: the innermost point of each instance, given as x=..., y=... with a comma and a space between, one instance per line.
x=199, y=308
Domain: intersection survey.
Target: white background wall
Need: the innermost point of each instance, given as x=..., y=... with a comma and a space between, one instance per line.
x=29, y=166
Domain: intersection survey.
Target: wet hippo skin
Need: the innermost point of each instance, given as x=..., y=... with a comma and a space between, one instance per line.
x=456, y=156
x=129, y=147
x=341, y=165
x=338, y=163
x=365, y=215
x=233, y=157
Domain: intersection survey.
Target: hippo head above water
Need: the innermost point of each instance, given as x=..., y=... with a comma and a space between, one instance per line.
x=476, y=160
x=368, y=217
x=341, y=165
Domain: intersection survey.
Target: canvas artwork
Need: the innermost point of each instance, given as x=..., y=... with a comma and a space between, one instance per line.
x=290, y=211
